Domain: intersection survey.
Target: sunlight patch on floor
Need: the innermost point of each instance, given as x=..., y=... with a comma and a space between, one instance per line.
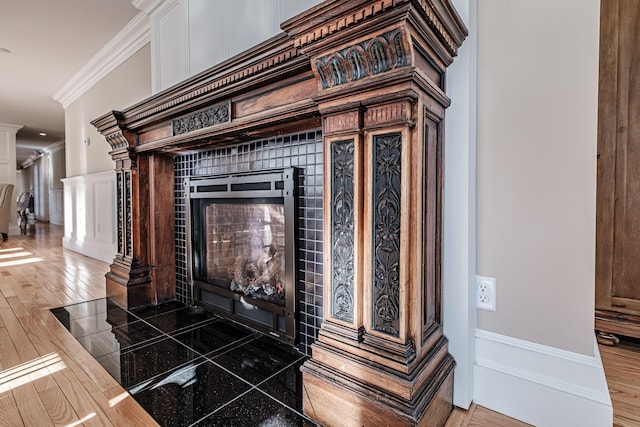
x=30, y=371
x=15, y=255
x=11, y=250
x=82, y=420
x=20, y=261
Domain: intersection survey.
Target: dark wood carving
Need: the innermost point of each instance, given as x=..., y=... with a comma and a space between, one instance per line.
x=386, y=231
x=374, y=56
x=362, y=69
x=119, y=206
x=210, y=117
x=127, y=211
x=342, y=230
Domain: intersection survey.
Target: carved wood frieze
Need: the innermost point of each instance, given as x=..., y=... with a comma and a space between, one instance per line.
x=212, y=116
x=219, y=82
x=371, y=9
x=343, y=122
x=377, y=55
x=385, y=114
x=342, y=230
x=342, y=22
x=386, y=233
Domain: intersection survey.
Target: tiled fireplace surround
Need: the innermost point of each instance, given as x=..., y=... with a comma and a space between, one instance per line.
x=352, y=92
x=300, y=150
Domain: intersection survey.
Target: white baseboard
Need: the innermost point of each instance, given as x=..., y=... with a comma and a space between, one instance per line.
x=540, y=385
x=94, y=249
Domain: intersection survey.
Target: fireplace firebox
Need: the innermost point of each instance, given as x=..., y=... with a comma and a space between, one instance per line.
x=241, y=248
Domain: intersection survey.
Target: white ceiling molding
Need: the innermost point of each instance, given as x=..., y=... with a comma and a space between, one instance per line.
x=147, y=6
x=128, y=41
x=56, y=146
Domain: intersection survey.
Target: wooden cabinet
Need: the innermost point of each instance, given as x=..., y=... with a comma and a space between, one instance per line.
x=618, y=194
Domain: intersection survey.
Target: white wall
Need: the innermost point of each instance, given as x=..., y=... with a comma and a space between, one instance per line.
x=89, y=201
x=537, y=82
x=189, y=36
x=537, y=122
x=87, y=151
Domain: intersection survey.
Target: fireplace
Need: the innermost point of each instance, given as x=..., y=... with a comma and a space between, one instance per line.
x=241, y=248
x=245, y=163
x=368, y=77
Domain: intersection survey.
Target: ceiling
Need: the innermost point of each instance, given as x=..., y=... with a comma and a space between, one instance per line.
x=49, y=41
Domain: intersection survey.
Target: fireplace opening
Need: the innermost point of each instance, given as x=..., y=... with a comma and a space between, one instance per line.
x=242, y=248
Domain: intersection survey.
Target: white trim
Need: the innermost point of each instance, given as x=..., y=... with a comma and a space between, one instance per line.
x=147, y=6
x=459, y=244
x=540, y=385
x=89, y=248
x=122, y=46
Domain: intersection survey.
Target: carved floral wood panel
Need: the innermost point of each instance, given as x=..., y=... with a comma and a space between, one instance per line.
x=342, y=229
x=386, y=233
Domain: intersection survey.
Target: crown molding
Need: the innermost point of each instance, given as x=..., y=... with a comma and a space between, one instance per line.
x=123, y=45
x=147, y=6
x=6, y=127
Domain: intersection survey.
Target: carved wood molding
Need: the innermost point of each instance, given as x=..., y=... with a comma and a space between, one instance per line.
x=342, y=122
x=386, y=114
x=110, y=125
x=216, y=83
x=376, y=55
x=218, y=114
x=436, y=18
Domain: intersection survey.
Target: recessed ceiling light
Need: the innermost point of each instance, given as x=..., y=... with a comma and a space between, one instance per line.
x=43, y=134
x=3, y=50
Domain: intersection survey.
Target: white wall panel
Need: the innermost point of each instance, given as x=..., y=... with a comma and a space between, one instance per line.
x=250, y=22
x=208, y=41
x=56, y=207
x=170, y=32
x=90, y=217
x=189, y=36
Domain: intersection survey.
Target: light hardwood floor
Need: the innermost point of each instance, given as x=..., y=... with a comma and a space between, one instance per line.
x=47, y=378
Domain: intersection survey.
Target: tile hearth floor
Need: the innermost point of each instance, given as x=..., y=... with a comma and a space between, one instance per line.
x=186, y=369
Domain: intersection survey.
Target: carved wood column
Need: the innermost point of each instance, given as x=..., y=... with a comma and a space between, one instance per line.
x=143, y=269
x=381, y=357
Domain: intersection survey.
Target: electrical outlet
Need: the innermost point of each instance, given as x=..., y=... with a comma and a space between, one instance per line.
x=486, y=293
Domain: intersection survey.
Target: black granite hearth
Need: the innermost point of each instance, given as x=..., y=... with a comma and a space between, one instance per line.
x=192, y=370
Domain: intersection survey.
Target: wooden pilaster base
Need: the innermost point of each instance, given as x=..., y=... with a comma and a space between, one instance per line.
x=129, y=289
x=334, y=398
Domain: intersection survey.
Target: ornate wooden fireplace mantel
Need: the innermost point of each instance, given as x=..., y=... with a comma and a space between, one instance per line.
x=371, y=74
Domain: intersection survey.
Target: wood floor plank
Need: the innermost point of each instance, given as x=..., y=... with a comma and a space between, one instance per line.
x=84, y=392
x=60, y=411
x=32, y=410
x=9, y=411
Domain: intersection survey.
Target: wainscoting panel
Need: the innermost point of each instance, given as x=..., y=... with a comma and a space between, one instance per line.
x=89, y=215
x=56, y=206
x=540, y=385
